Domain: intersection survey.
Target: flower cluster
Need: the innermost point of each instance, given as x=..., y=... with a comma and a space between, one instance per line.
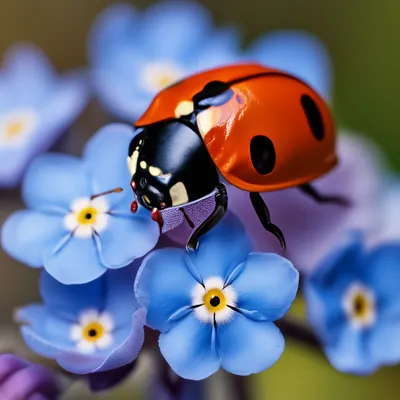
x=107, y=273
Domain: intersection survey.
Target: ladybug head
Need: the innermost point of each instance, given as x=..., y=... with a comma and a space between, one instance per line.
x=170, y=165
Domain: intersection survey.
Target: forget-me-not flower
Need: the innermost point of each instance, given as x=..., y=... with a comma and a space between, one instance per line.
x=215, y=307
x=135, y=54
x=87, y=328
x=353, y=303
x=36, y=107
x=73, y=229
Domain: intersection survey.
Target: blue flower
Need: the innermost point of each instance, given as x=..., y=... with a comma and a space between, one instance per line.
x=135, y=54
x=215, y=307
x=86, y=328
x=70, y=228
x=36, y=107
x=353, y=303
x=298, y=53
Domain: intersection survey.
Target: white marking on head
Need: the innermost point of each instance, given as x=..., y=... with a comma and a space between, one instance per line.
x=179, y=194
x=154, y=171
x=132, y=162
x=184, y=108
x=143, y=164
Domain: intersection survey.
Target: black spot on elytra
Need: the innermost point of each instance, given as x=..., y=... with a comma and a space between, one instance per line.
x=313, y=116
x=262, y=154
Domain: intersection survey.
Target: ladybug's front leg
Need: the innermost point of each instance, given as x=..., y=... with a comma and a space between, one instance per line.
x=264, y=216
x=221, y=205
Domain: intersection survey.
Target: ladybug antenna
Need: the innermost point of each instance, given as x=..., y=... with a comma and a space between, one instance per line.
x=116, y=190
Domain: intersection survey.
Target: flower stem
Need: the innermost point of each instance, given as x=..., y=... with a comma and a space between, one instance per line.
x=296, y=329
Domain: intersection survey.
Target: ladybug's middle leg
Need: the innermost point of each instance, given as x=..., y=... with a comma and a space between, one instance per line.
x=221, y=200
x=264, y=216
x=322, y=198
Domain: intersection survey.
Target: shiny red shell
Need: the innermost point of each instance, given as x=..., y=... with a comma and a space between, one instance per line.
x=295, y=125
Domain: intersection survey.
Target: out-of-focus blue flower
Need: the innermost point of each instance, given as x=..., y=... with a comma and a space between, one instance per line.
x=353, y=302
x=136, y=54
x=75, y=235
x=36, y=107
x=87, y=328
x=215, y=307
x=22, y=380
x=296, y=52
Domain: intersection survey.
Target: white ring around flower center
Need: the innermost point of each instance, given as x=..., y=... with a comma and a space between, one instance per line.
x=16, y=127
x=87, y=216
x=93, y=331
x=159, y=75
x=220, y=309
x=359, y=304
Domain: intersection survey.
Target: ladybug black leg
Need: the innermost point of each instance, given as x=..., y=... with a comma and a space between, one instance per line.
x=264, y=216
x=221, y=200
x=321, y=198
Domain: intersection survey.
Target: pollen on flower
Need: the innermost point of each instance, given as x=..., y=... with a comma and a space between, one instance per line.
x=157, y=76
x=16, y=126
x=87, y=216
x=94, y=331
x=213, y=301
x=359, y=305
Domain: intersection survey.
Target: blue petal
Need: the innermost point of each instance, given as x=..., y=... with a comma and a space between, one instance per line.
x=340, y=267
x=53, y=181
x=44, y=333
x=187, y=349
x=105, y=156
x=247, y=346
x=120, y=300
x=67, y=100
x=127, y=239
x=222, y=47
x=27, y=236
x=68, y=301
x=28, y=74
x=325, y=287
x=222, y=249
x=124, y=353
x=164, y=285
x=298, y=53
x=122, y=97
x=76, y=262
x=114, y=26
x=382, y=270
x=383, y=343
x=172, y=29
x=267, y=284
x=349, y=353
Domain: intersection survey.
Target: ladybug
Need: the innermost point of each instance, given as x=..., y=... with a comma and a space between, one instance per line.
x=260, y=128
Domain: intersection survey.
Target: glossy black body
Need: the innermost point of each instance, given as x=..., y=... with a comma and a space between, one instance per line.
x=178, y=151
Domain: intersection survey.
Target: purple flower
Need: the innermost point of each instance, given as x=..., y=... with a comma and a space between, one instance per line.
x=21, y=380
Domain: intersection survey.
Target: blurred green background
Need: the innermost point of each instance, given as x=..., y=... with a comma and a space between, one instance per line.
x=363, y=38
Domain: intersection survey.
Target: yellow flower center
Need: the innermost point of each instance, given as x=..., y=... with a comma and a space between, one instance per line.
x=13, y=129
x=87, y=216
x=165, y=80
x=215, y=300
x=361, y=306
x=93, y=332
